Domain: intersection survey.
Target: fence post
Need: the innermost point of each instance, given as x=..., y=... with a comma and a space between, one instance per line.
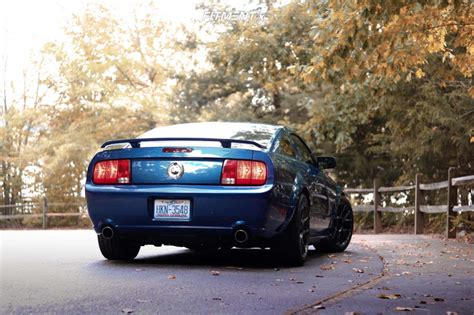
x=45, y=213
x=419, y=216
x=452, y=199
x=377, y=214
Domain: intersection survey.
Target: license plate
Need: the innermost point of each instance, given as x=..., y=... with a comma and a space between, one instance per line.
x=172, y=210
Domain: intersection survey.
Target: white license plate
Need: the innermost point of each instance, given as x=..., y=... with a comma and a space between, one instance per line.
x=172, y=210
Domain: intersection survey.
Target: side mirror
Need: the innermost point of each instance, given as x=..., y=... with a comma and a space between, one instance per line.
x=326, y=162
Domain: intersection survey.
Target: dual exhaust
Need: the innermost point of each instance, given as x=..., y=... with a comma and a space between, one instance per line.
x=241, y=236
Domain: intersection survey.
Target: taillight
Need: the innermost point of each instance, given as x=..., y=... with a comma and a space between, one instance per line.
x=243, y=172
x=112, y=172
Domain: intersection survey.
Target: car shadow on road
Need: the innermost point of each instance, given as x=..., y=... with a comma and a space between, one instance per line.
x=243, y=258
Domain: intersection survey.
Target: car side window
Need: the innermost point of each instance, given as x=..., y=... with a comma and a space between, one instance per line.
x=284, y=147
x=304, y=152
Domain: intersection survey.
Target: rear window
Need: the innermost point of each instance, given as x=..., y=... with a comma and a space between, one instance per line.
x=259, y=133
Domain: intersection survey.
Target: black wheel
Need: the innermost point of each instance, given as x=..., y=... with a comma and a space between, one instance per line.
x=117, y=249
x=342, y=226
x=294, y=245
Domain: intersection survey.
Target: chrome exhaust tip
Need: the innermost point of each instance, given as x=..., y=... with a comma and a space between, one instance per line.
x=241, y=236
x=107, y=232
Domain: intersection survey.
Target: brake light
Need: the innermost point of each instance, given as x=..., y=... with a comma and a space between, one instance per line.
x=243, y=172
x=112, y=172
x=177, y=150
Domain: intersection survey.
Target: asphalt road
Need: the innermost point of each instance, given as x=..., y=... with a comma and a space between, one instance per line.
x=64, y=272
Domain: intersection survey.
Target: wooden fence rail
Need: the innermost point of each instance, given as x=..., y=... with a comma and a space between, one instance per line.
x=450, y=208
x=27, y=210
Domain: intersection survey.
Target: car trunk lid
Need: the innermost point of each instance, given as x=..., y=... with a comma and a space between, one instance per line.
x=183, y=165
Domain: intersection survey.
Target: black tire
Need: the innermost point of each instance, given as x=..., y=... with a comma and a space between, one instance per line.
x=342, y=225
x=117, y=249
x=293, y=247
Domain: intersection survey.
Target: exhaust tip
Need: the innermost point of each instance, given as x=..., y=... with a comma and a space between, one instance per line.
x=108, y=232
x=241, y=236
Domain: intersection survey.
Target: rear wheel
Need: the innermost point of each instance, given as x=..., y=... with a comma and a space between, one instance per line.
x=117, y=249
x=342, y=226
x=294, y=245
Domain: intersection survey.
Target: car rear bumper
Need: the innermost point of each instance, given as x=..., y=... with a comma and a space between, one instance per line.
x=217, y=212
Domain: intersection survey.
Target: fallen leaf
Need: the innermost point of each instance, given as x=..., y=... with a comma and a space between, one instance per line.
x=171, y=277
x=127, y=310
x=331, y=256
x=389, y=296
x=348, y=261
x=358, y=270
x=404, y=309
x=327, y=267
x=215, y=273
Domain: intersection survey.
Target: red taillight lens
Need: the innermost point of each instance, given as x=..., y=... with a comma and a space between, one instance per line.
x=112, y=172
x=243, y=172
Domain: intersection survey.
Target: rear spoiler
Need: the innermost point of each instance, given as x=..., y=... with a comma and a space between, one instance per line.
x=226, y=143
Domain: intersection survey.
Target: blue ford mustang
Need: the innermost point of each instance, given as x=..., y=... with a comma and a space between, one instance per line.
x=216, y=185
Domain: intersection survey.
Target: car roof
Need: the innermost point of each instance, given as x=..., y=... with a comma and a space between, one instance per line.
x=260, y=133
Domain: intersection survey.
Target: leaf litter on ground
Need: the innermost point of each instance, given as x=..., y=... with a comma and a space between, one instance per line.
x=389, y=296
x=328, y=267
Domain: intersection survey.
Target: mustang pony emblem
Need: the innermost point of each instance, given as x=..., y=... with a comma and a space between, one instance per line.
x=175, y=170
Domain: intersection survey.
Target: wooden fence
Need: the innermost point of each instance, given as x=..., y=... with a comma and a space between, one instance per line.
x=451, y=208
x=41, y=210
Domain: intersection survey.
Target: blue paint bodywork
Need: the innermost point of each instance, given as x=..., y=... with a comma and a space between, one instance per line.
x=216, y=210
